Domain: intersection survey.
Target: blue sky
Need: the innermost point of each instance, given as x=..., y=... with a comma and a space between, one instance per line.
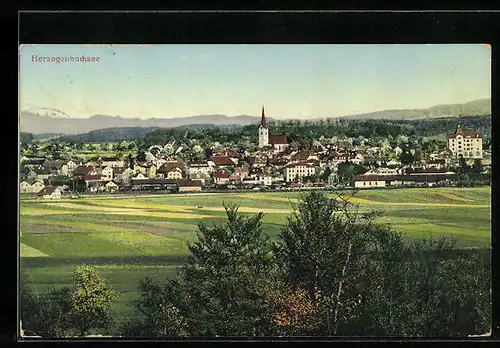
x=292, y=81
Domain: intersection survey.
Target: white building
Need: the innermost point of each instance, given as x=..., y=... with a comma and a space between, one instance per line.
x=369, y=181
x=297, y=171
x=107, y=173
x=465, y=142
x=199, y=168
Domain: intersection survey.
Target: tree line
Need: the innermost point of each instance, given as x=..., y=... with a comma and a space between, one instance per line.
x=299, y=130
x=332, y=272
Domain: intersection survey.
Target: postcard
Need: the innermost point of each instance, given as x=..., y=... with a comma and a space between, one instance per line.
x=254, y=191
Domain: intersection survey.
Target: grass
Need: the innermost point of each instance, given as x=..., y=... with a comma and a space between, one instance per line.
x=128, y=238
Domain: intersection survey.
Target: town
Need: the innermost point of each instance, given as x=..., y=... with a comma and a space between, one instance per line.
x=274, y=166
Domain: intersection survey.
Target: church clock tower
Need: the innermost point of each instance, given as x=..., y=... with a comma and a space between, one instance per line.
x=263, y=131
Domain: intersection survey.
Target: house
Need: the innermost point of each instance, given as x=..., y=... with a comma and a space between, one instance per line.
x=107, y=173
x=51, y=192
x=160, y=162
x=199, y=168
x=304, y=156
x=187, y=185
x=172, y=170
x=222, y=161
x=265, y=180
x=369, y=181
x=221, y=177
x=297, y=171
x=465, y=142
x=42, y=174
x=37, y=186
x=25, y=187
x=111, y=186
x=93, y=182
x=71, y=166
x=82, y=170
x=112, y=162
x=146, y=168
x=232, y=154
x=356, y=157
x=239, y=174
x=96, y=186
x=121, y=173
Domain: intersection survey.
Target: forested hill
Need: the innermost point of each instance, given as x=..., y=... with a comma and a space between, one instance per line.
x=473, y=108
x=127, y=133
x=296, y=129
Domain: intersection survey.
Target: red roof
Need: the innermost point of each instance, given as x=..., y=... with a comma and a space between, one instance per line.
x=92, y=177
x=222, y=160
x=465, y=132
x=221, y=175
x=279, y=139
x=83, y=170
x=169, y=166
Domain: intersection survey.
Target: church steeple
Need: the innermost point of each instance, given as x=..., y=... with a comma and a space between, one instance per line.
x=263, y=123
x=263, y=131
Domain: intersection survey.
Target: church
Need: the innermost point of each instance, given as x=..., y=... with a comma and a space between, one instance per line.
x=279, y=142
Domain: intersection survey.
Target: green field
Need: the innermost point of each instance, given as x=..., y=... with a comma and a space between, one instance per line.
x=128, y=237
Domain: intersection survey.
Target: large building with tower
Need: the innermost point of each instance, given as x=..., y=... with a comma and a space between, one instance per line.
x=279, y=142
x=465, y=142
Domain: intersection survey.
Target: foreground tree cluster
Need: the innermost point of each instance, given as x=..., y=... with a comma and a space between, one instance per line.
x=332, y=272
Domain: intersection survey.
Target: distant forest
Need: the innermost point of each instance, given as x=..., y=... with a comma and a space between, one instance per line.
x=298, y=130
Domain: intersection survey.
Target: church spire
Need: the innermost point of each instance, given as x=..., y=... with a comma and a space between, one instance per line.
x=263, y=123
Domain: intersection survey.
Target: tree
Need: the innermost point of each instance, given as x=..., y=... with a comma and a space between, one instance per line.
x=45, y=315
x=26, y=138
x=91, y=301
x=168, y=150
x=61, y=312
x=320, y=249
x=326, y=174
x=141, y=156
x=347, y=170
x=477, y=166
x=463, y=168
x=158, y=313
x=225, y=278
x=79, y=184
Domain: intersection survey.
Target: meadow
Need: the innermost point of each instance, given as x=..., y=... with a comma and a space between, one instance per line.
x=129, y=237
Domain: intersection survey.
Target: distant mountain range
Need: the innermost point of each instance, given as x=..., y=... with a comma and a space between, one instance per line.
x=35, y=123
x=473, y=108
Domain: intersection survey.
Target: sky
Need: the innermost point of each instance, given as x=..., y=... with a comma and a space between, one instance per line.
x=292, y=81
